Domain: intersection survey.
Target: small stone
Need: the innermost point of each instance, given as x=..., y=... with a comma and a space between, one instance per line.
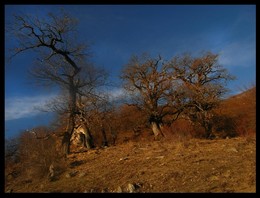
x=82, y=174
x=233, y=150
x=9, y=191
x=119, y=189
x=160, y=157
x=214, y=178
x=131, y=188
x=67, y=175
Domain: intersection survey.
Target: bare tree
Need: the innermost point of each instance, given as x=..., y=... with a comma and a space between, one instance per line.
x=102, y=115
x=38, y=151
x=61, y=59
x=97, y=112
x=203, y=81
x=151, y=86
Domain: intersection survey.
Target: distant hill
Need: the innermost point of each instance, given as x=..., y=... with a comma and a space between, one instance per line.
x=242, y=108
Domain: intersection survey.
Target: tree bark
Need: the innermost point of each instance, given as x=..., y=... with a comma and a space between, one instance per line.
x=66, y=143
x=82, y=139
x=71, y=124
x=88, y=137
x=105, y=143
x=207, y=124
x=156, y=123
x=208, y=129
x=114, y=135
x=157, y=131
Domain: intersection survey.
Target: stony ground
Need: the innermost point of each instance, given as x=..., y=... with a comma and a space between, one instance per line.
x=227, y=165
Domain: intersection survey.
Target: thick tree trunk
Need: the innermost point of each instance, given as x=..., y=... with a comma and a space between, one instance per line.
x=156, y=123
x=71, y=124
x=88, y=137
x=114, y=135
x=207, y=124
x=82, y=139
x=67, y=136
x=157, y=131
x=208, y=130
x=66, y=144
x=105, y=143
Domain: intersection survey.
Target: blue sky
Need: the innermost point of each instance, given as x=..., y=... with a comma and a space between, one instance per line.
x=115, y=32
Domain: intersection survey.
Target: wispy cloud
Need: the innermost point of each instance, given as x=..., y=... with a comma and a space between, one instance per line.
x=24, y=106
x=116, y=93
x=238, y=54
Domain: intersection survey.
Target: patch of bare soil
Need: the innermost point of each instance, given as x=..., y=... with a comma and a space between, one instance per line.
x=227, y=165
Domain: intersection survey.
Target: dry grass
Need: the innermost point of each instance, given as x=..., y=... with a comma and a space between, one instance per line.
x=178, y=163
x=194, y=165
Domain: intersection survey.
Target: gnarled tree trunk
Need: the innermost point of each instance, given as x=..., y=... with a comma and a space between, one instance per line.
x=88, y=137
x=156, y=126
x=72, y=110
x=157, y=131
x=104, y=143
x=67, y=136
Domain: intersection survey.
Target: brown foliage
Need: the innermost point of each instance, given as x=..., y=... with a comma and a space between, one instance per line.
x=242, y=109
x=36, y=154
x=179, y=129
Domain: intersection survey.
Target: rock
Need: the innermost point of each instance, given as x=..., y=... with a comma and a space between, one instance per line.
x=119, y=189
x=51, y=171
x=67, y=175
x=82, y=174
x=214, y=178
x=9, y=190
x=160, y=157
x=71, y=174
x=123, y=158
x=233, y=150
x=130, y=188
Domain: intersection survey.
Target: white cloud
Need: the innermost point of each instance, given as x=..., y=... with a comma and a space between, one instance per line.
x=113, y=94
x=116, y=93
x=238, y=54
x=24, y=106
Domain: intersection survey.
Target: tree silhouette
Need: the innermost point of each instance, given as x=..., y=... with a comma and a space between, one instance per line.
x=61, y=59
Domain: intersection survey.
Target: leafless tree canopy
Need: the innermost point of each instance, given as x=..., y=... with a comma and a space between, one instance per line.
x=186, y=84
x=151, y=84
x=204, y=83
x=62, y=59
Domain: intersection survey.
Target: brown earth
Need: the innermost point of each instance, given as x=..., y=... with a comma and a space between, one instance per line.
x=195, y=165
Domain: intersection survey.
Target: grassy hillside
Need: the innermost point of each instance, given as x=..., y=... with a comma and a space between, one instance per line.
x=136, y=163
x=193, y=165
x=242, y=108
